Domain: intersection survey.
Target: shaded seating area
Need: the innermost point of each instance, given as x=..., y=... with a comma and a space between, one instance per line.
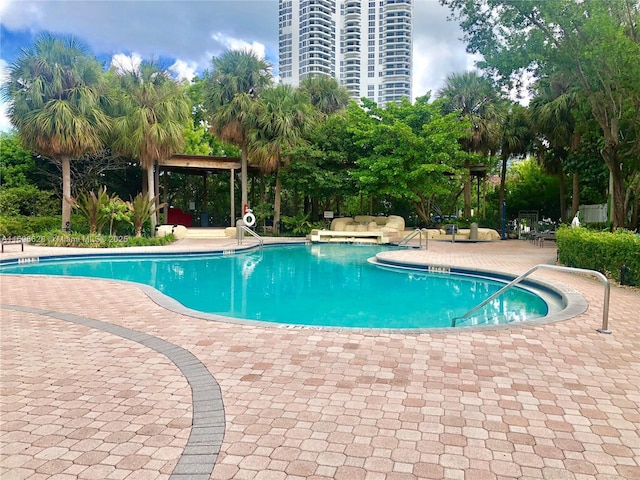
x=362, y=228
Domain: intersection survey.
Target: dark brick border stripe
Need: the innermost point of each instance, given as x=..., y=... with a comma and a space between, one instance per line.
x=208, y=423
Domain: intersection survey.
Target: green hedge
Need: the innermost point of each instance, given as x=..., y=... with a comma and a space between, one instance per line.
x=23, y=225
x=602, y=251
x=46, y=231
x=28, y=200
x=80, y=240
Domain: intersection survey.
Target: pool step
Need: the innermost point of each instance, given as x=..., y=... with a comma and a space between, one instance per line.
x=205, y=233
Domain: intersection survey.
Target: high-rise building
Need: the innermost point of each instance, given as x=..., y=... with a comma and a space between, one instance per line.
x=365, y=44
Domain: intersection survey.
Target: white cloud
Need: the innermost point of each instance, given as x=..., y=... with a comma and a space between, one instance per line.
x=193, y=31
x=126, y=63
x=21, y=16
x=184, y=71
x=5, y=124
x=237, y=44
x=433, y=61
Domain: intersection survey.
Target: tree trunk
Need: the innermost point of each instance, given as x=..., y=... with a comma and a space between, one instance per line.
x=635, y=214
x=276, y=204
x=165, y=197
x=633, y=225
x=156, y=194
x=66, y=193
x=610, y=155
x=150, y=189
x=423, y=208
x=503, y=181
x=575, y=203
x=243, y=176
x=467, y=196
x=563, y=196
x=484, y=199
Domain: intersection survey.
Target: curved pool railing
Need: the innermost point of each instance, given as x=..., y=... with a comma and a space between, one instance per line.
x=417, y=232
x=600, y=276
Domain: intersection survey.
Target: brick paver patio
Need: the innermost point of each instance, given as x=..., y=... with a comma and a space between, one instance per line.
x=97, y=382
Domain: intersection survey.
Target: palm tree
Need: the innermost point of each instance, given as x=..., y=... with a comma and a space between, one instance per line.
x=231, y=90
x=552, y=117
x=516, y=138
x=284, y=118
x=475, y=98
x=153, y=113
x=325, y=93
x=57, y=98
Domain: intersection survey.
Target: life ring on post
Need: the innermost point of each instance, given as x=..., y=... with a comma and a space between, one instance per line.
x=249, y=219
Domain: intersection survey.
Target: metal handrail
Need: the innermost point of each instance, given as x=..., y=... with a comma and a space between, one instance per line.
x=605, y=307
x=248, y=230
x=408, y=237
x=411, y=235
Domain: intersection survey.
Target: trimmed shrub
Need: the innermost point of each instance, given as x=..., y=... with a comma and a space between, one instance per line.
x=22, y=226
x=28, y=200
x=602, y=251
x=66, y=239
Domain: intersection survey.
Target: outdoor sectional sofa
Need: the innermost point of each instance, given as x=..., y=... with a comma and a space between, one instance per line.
x=362, y=228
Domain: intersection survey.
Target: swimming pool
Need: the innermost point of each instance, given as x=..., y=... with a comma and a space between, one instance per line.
x=315, y=285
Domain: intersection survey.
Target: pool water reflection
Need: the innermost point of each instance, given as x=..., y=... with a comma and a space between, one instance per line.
x=320, y=285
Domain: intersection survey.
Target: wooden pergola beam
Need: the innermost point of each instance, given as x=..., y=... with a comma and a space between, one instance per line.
x=201, y=162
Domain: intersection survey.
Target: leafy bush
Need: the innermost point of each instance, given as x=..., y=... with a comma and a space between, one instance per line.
x=28, y=200
x=65, y=239
x=298, y=225
x=141, y=209
x=602, y=251
x=92, y=207
x=22, y=225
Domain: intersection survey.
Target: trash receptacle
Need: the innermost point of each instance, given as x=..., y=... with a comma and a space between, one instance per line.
x=473, y=231
x=204, y=219
x=450, y=229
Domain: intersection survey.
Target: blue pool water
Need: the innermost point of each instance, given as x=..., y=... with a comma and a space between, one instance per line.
x=326, y=284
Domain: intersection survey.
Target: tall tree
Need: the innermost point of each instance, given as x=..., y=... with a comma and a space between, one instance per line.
x=406, y=158
x=551, y=113
x=284, y=118
x=595, y=44
x=231, y=89
x=57, y=99
x=476, y=99
x=516, y=139
x=153, y=112
x=325, y=93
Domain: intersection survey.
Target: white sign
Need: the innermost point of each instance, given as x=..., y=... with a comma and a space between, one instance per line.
x=328, y=214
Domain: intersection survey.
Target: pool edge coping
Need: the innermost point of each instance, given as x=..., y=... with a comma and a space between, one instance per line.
x=576, y=304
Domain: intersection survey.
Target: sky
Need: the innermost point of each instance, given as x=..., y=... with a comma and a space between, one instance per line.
x=186, y=34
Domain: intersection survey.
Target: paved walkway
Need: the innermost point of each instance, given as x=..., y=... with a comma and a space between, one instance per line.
x=100, y=382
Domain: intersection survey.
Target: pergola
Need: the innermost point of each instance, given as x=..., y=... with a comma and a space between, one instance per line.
x=200, y=165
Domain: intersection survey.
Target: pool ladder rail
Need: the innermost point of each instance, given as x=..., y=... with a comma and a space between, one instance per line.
x=417, y=232
x=600, y=276
x=243, y=228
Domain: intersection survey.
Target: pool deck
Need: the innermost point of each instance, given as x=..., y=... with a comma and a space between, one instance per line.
x=99, y=381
